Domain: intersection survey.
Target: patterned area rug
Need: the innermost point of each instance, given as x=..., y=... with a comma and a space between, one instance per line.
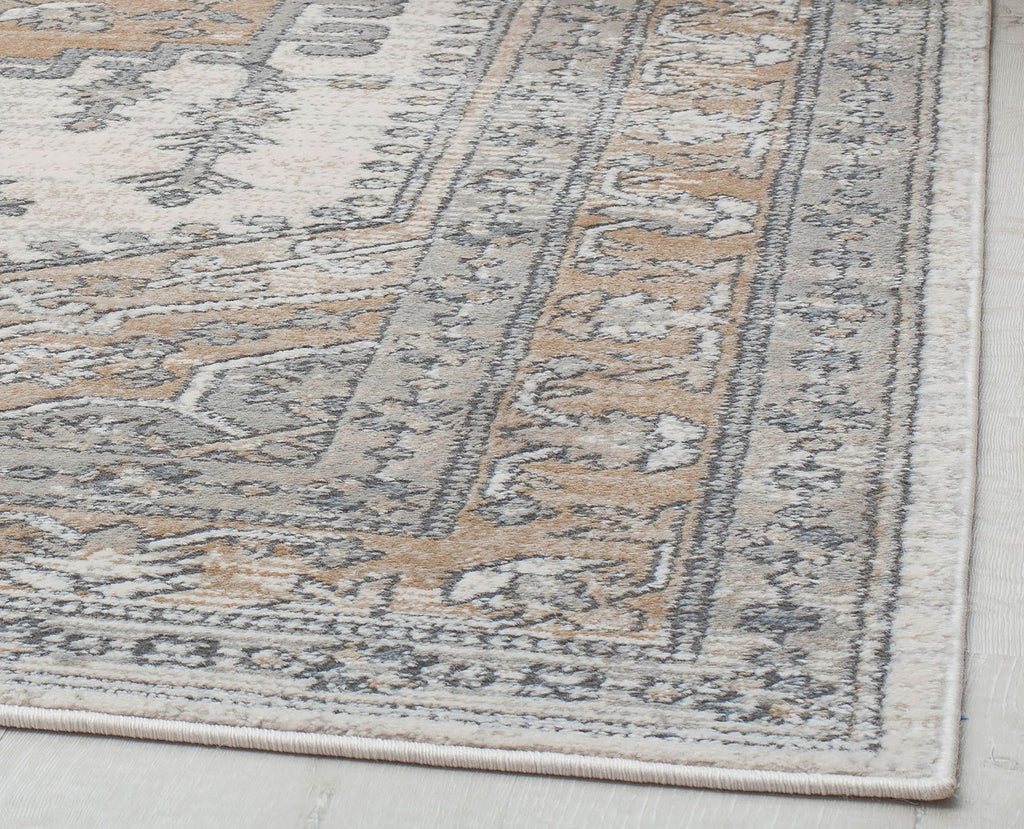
x=569, y=386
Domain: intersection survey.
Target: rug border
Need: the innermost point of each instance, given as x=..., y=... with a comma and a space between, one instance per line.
x=474, y=759
x=971, y=161
x=970, y=34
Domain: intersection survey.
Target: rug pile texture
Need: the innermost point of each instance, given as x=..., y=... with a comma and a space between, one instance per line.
x=569, y=386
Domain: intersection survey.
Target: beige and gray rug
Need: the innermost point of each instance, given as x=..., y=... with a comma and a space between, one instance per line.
x=568, y=386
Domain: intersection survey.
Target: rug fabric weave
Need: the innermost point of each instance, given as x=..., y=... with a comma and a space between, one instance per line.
x=569, y=386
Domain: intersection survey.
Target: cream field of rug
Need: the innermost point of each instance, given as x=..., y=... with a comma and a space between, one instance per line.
x=568, y=386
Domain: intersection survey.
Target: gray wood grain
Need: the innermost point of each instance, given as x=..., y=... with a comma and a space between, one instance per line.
x=53, y=780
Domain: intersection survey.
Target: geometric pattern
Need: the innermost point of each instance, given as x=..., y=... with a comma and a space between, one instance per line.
x=527, y=376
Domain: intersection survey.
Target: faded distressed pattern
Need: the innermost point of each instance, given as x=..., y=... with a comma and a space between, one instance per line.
x=512, y=374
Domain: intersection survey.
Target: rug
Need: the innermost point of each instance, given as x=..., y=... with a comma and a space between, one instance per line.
x=581, y=387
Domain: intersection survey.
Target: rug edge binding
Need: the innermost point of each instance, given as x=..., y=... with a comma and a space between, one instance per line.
x=945, y=779
x=472, y=758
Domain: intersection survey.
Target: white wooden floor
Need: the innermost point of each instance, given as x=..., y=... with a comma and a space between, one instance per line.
x=54, y=781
